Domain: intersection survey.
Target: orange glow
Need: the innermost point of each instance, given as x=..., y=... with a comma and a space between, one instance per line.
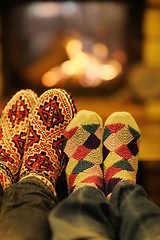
x=92, y=70
x=51, y=78
x=73, y=47
x=76, y=65
x=116, y=64
x=100, y=50
x=69, y=68
x=120, y=56
x=81, y=60
x=89, y=82
x=110, y=70
x=44, y=9
x=88, y=67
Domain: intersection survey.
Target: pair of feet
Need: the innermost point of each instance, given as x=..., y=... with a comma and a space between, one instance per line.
x=31, y=136
x=101, y=157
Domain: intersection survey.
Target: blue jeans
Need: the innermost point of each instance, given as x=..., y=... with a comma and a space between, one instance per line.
x=30, y=211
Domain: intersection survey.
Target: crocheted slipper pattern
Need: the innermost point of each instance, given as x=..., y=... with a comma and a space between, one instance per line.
x=13, y=130
x=43, y=151
x=120, y=149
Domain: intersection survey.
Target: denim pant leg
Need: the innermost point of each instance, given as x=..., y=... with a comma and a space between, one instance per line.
x=140, y=217
x=85, y=214
x=24, y=211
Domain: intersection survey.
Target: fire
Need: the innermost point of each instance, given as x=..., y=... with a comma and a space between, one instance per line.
x=91, y=68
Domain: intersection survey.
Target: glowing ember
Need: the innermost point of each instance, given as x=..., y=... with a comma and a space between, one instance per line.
x=73, y=47
x=100, y=50
x=89, y=68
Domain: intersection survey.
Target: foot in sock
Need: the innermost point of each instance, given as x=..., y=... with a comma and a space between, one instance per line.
x=83, y=151
x=13, y=130
x=47, y=122
x=121, y=140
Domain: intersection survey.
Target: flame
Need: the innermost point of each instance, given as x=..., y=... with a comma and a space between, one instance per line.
x=110, y=70
x=51, y=78
x=73, y=47
x=69, y=68
x=44, y=9
x=91, y=68
x=100, y=50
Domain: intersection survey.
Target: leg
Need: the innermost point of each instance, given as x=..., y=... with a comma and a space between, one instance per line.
x=140, y=216
x=13, y=130
x=41, y=165
x=25, y=209
x=85, y=214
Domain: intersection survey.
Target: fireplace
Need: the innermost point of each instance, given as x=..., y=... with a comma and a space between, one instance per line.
x=83, y=46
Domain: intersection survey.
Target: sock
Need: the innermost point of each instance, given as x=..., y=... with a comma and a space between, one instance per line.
x=13, y=130
x=120, y=150
x=47, y=122
x=5, y=177
x=83, y=151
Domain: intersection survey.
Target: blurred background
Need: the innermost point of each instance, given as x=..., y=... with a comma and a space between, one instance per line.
x=106, y=53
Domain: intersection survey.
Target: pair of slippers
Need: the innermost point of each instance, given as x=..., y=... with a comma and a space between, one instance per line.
x=31, y=136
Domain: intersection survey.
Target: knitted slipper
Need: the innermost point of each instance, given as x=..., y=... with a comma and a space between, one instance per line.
x=83, y=151
x=43, y=152
x=13, y=130
x=121, y=140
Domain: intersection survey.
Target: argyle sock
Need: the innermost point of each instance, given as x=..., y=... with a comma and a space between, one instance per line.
x=13, y=130
x=83, y=151
x=120, y=149
x=47, y=122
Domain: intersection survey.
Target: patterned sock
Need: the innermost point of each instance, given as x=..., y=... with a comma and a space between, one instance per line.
x=13, y=130
x=43, y=151
x=120, y=148
x=83, y=151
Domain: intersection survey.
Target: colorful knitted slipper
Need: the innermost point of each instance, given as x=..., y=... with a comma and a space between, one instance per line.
x=83, y=151
x=13, y=130
x=121, y=140
x=43, y=152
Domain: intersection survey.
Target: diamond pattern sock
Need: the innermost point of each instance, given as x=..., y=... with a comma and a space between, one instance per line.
x=83, y=151
x=13, y=130
x=120, y=150
x=47, y=122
